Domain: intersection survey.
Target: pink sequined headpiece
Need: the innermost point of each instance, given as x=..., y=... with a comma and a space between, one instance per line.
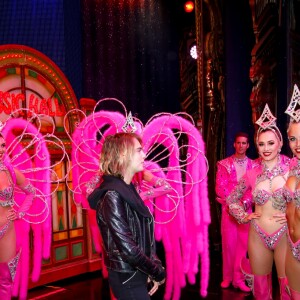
x=293, y=109
x=268, y=122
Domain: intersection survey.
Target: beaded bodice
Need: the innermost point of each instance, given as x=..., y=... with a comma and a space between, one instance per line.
x=261, y=197
x=296, y=199
x=294, y=171
x=294, y=168
x=6, y=194
x=268, y=174
x=251, y=180
x=287, y=194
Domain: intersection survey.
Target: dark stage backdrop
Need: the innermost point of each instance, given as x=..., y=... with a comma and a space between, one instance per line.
x=107, y=48
x=239, y=40
x=130, y=52
x=51, y=27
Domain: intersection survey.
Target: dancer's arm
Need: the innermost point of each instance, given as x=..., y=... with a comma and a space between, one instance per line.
x=28, y=189
x=160, y=186
x=222, y=183
x=236, y=207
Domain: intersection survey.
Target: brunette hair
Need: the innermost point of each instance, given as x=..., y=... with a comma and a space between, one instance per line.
x=241, y=134
x=116, y=153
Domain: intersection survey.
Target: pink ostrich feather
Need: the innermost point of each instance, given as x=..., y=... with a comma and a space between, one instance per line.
x=194, y=241
x=87, y=141
x=176, y=152
x=36, y=169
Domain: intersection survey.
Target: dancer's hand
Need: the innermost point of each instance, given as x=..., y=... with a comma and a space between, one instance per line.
x=251, y=216
x=280, y=218
x=12, y=215
x=154, y=285
x=147, y=175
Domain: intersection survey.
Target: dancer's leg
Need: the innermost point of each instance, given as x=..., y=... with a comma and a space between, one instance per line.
x=261, y=260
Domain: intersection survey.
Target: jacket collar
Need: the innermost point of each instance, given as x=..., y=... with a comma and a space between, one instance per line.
x=127, y=192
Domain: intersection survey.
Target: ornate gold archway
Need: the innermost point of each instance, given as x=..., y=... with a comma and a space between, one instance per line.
x=31, y=80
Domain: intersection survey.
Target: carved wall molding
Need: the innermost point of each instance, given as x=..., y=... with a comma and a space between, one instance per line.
x=210, y=77
x=264, y=56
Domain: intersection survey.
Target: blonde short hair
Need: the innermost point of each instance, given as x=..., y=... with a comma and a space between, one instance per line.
x=116, y=152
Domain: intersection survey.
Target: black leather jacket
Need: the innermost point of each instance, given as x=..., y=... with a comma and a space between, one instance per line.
x=127, y=230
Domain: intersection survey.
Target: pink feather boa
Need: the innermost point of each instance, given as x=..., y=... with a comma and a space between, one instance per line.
x=185, y=237
x=42, y=233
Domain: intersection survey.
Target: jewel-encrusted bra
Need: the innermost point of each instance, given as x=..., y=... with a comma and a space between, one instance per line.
x=295, y=170
x=6, y=196
x=296, y=198
x=261, y=197
x=288, y=194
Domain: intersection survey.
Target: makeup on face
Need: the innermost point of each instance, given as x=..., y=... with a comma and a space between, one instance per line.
x=268, y=146
x=294, y=138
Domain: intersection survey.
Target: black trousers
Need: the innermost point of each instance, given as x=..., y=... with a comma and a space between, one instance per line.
x=128, y=286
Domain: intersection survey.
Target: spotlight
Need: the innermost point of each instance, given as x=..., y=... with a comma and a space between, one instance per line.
x=193, y=51
x=189, y=6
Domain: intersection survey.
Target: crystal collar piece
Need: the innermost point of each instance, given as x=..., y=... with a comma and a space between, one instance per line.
x=268, y=174
x=293, y=109
x=240, y=161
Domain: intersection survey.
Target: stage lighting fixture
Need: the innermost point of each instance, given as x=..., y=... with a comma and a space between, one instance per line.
x=189, y=6
x=193, y=51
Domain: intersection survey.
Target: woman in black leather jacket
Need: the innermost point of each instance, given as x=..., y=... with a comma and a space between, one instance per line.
x=125, y=223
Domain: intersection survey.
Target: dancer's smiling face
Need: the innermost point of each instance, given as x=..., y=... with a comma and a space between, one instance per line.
x=268, y=145
x=2, y=148
x=294, y=138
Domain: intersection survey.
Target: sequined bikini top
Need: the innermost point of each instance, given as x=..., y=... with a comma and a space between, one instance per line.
x=290, y=196
x=261, y=197
x=6, y=196
x=296, y=198
x=294, y=168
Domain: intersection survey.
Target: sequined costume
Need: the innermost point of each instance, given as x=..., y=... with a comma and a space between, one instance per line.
x=6, y=197
x=293, y=200
x=234, y=235
x=260, y=197
x=295, y=248
x=8, y=269
x=270, y=240
x=294, y=197
x=6, y=200
x=251, y=181
x=25, y=201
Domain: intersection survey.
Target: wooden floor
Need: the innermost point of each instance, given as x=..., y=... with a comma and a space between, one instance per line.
x=92, y=286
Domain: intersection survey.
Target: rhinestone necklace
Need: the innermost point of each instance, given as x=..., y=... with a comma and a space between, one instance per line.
x=268, y=174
